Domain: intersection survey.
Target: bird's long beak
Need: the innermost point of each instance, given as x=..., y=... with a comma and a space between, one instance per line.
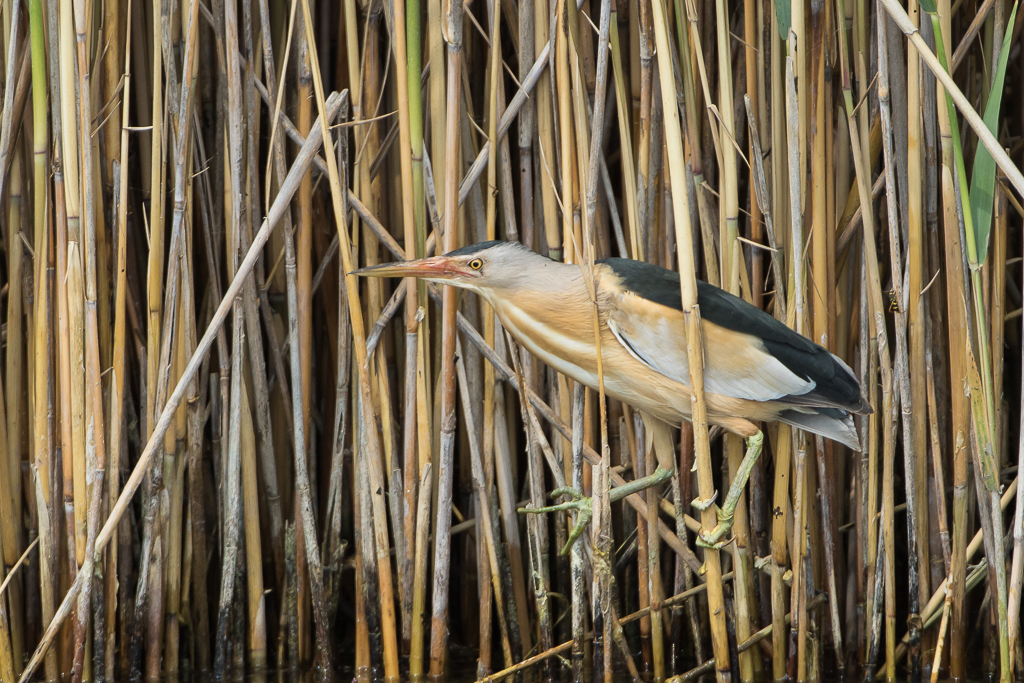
x=435, y=268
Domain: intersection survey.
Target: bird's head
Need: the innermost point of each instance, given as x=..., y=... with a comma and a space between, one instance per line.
x=481, y=268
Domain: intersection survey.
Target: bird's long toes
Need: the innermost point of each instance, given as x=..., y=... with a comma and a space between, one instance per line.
x=567, y=491
x=713, y=540
x=582, y=520
x=568, y=505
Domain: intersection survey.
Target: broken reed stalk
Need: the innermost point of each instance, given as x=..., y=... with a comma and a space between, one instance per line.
x=81, y=300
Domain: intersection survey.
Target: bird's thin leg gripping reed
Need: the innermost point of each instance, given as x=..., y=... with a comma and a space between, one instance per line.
x=582, y=504
x=713, y=539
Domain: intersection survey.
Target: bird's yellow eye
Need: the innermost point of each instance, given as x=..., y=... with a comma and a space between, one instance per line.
x=476, y=264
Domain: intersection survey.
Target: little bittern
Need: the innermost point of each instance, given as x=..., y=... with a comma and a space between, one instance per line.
x=755, y=368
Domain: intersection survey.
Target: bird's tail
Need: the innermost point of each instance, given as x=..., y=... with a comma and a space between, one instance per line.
x=832, y=423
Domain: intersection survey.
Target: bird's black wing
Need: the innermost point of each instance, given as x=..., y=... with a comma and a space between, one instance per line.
x=833, y=382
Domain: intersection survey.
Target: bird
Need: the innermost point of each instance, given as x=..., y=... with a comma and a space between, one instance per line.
x=756, y=369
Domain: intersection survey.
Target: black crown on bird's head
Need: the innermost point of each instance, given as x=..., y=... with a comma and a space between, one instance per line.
x=479, y=247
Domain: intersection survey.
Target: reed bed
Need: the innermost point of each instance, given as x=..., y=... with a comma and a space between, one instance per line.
x=221, y=453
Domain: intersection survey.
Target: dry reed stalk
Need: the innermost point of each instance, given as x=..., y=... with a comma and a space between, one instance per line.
x=684, y=242
x=269, y=468
x=154, y=355
x=10, y=475
x=42, y=375
x=625, y=138
x=494, y=78
x=957, y=326
x=577, y=577
x=654, y=577
x=303, y=308
x=95, y=444
x=916, y=304
x=525, y=46
x=178, y=270
x=442, y=552
x=638, y=451
x=937, y=661
x=197, y=512
x=12, y=40
x=408, y=82
x=1016, y=567
x=256, y=622
x=261, y=422
x=486, y=521
x=731, y=269
x=691, y=55
x=512, y=559
x=545, y=164
x=11, y=641
x=438, y=96
x=569, y=181
x=544, y=31
x=645, y=53
x=70, y=246
x=10, y=472
x=822, y=293
x=784, y=442
x=237, y=430
x=798, y=596
x=6, y=647
x=859, y=142
x=376, y=478
x=537, y=537
x=601, y=592
x=902, y=367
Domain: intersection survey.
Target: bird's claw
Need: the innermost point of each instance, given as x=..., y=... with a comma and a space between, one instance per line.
x=578, y=502
x=703, y=504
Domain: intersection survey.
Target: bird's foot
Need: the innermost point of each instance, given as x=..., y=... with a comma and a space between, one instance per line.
x=712, y=540
x=578, y=502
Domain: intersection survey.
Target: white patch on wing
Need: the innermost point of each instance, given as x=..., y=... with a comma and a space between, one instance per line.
x=766, y=381
x=660, y=344
x=629, y=347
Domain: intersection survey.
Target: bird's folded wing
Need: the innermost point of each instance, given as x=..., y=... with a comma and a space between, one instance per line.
x=735, y=364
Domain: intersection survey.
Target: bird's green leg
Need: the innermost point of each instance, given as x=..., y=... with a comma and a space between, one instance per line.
x=713, y=539
x=583, y=505
x=630, y=487
x=659, y=437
